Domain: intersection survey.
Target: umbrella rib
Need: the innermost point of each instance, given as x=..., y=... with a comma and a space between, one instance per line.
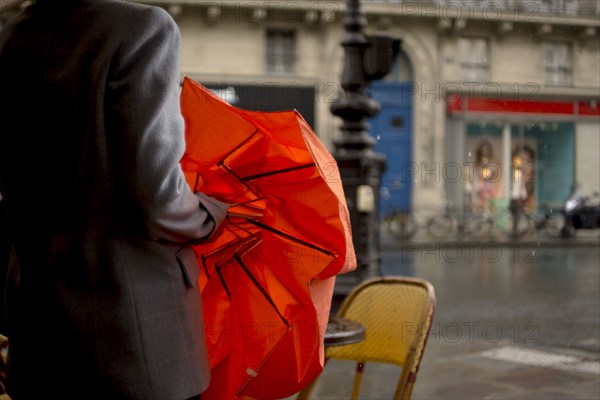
x=225, y=253
x=242, y=143
x=249, y=204
x=240, y=227
x=234, y=199
x=246, y=205
x=218, y=269
x=277, y=172
x=225, y=246
x=221, y=164
x=203, y=258
x=262, y=290
x=290, y=237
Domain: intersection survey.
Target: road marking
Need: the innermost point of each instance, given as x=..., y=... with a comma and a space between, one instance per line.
x=545, y=359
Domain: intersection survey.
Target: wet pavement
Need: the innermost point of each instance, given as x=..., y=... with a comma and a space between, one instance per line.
x=513, y=321
x=503, y=311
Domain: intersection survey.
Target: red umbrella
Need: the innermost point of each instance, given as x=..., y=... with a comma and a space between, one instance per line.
x=267, y=279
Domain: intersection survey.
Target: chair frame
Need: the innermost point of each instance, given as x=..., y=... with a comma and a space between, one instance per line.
x=413, y=359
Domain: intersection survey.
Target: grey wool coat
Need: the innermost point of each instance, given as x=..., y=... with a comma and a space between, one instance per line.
x=101, y=298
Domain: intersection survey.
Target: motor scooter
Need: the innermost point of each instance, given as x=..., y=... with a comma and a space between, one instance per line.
x=581, y=212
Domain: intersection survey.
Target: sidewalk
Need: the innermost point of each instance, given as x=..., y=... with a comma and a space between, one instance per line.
x=477, y=371
x=480, y=366
x=583, y=238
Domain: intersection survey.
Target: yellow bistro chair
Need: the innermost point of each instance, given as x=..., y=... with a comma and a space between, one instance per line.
x=396, y=313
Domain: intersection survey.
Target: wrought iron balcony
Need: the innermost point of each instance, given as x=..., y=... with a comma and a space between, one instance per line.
x=566, y=8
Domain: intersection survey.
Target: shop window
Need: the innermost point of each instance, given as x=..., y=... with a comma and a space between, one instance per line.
x=540, y=169
x=474, y=59
x=557, y=64
x=281, y=51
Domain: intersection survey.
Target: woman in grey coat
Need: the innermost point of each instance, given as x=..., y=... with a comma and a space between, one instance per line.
x=101, y=298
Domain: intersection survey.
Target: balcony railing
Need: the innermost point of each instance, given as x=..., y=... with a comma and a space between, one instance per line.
x=574, y=8
x=549, y=7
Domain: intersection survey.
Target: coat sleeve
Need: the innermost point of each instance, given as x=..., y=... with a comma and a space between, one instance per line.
x=146, y=131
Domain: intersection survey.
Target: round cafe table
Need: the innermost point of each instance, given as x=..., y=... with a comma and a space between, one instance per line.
x=342, y=331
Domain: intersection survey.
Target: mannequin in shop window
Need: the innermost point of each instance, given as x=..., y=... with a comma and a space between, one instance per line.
x=523, y=178
x=486, y=177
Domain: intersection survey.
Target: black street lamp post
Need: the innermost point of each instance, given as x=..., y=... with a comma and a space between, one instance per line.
x=366, y=58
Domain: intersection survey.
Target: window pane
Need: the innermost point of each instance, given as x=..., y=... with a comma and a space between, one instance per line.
x=564, y=58
x=281, y=50
x=557, y=63
x=549, y=51
x=474, y=59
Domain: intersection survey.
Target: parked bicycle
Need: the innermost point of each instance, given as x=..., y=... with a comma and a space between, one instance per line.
x=401, y=224
x=549, y=220
x=495, y=224
x=451, y=222
x=513, y=223
x=518, y=223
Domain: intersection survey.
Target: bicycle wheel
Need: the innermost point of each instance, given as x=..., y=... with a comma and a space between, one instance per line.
x=402, y=225
x=513, y=225
x=477, y=224
x=441, y=226
x=552, y=224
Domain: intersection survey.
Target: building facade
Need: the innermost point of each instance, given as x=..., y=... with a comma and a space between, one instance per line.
x=489, y=100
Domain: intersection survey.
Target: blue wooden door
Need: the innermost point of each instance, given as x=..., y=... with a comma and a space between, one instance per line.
x=393, y=129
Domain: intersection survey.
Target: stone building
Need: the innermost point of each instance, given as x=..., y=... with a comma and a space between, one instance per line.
x=489, y=100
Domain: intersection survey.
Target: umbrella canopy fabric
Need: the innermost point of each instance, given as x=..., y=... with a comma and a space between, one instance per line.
x=267, y=279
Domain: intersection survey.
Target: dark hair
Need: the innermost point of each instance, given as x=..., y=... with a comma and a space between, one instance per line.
x=480, y=150
x=524, y=148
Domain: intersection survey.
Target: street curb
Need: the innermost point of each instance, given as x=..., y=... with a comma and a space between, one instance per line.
x=429, y=244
